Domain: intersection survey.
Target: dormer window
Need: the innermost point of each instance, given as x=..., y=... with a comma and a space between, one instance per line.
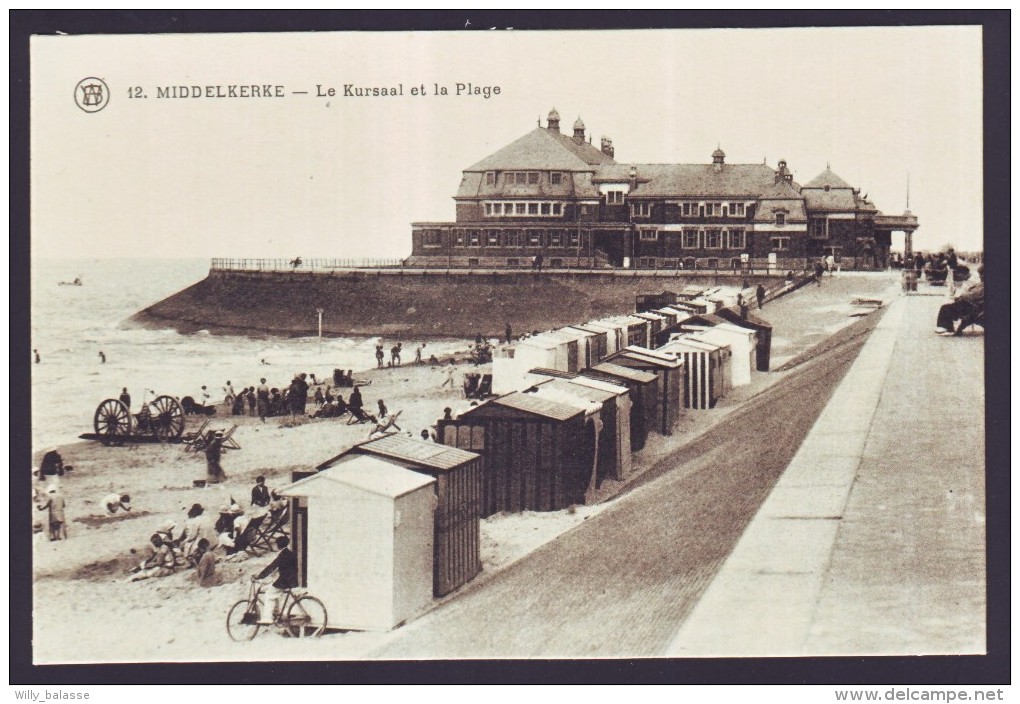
x=780, y=219
x=532, y=178
x=555, y=178
x=490, y=178
x=614, y=197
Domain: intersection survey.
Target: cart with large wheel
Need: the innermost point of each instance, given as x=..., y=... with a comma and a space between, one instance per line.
x=160, y=420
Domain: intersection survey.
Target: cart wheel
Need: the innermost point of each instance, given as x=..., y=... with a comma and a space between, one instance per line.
x=112, y=422
x=306, y=618
x=167, y=419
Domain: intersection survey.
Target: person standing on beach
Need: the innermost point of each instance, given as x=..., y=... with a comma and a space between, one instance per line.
x=819, y=270
x=229, y=394
x=37, y=357
x=263, y=399
x=509, y=333
x=742, y=304
x=379, y=355
x=383, y=411
x=55, y=506
x=102, y=357
x=395, y=354
x=252, y=402
x=213, y=452
x=418, y=353
x=760, y=294
x=125, y=398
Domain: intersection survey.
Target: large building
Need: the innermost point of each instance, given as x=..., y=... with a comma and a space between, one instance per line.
x=560, y=197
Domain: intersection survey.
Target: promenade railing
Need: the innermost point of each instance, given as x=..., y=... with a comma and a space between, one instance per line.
x=300, y=264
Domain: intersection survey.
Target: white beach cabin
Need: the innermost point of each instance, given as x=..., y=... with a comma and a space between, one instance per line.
x=369, y=541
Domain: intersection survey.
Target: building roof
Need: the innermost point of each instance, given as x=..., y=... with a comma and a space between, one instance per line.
x=415, y=451
x=781, y=190
x=827, y=178
x=600, y=385
x=838, y=199
x=692, y=180
x=530, y=403
x=373, y=475
x=543, y=149
x=624, y=372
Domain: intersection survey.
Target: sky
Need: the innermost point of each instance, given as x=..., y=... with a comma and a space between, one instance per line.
x=336, y=176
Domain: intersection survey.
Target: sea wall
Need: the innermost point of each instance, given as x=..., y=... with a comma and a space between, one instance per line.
x=410, y=304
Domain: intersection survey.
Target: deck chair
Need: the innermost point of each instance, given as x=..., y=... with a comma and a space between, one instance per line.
x=383, y=427
x=262, y=534
x=276, y=525
x=228, y=441
x=247, y=541
x=193, y=440
x=359, y=416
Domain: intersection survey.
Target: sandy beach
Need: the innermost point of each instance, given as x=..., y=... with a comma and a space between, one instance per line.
x=81, y=583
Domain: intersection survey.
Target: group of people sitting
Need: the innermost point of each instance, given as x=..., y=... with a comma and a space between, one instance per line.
x=968, y=308
x=196, y=544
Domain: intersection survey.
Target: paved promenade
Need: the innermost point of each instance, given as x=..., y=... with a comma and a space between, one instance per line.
x=872, y=541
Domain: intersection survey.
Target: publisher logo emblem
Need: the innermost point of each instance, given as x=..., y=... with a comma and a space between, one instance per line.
x=91, y=94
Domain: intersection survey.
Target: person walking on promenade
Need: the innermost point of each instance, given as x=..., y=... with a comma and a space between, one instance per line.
x=819, y=270
x=760, y=294
x=830, y=264
x=263, y=399
x=379, y=355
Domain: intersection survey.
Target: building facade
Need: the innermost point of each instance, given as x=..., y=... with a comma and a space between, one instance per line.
x=561, y=200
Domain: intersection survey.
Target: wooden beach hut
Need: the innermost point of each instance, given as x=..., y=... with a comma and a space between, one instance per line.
x=705, y=320
x=616, y=333
x=761, y=326
x=704, y=371
x=538, y=452
x=742, y=342
x=655, y=323
x=670, y=373
x=644, y=397
x=637, y=329
x=368, y=541
x=458, y=474
x=598, y=342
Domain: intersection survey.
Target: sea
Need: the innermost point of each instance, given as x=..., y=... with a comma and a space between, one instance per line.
x=71, y=325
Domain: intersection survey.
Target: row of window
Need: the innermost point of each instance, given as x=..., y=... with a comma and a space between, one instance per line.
x=508, y=238
x=687, y=208
x=524, y=209
x=523, y=178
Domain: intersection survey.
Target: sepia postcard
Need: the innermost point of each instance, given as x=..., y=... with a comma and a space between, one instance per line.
x=499, y=344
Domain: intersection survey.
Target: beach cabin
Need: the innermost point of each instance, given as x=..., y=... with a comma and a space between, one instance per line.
x=742, y=342
x=763, y=329
x=637, y=329
x=704, y=370
x=690, y=292
x=693, y=307
x=368, y=541
x=655, y=323
x=583, y=343
x=458, y=474
x=670, y=373
x=614, y=459
x=705, y=320
x=669, y=316
x=649, y=301
x=724, y=357
x=510, y=365
x=644, y=397
x=620, y=404
x=538, y=453
x=616, y=333
x=598, y=342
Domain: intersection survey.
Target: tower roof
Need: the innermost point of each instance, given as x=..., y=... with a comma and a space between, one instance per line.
x=578, y=124
x=553, y=115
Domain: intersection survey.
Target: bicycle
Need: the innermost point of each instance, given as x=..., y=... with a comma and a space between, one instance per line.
x=301, y=615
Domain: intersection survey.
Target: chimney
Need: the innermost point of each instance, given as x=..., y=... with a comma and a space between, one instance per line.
x=607, y=147
x=579, y=131
x=783, y=173
x=633, y=178
x=553, y=121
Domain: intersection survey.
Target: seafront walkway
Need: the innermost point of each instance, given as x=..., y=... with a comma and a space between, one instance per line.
x=622, y=583
x=872, y=541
